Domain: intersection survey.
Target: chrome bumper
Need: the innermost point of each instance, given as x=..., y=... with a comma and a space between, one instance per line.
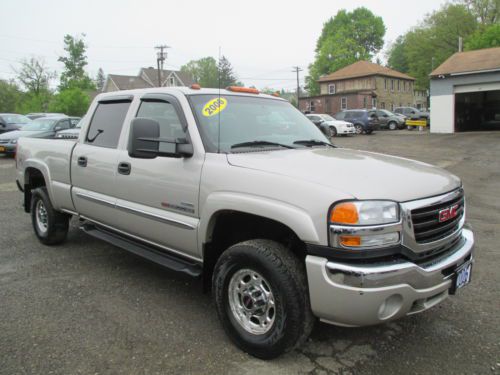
x=360, y=295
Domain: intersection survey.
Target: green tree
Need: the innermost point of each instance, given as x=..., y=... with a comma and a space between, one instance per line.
x=35, y=76
x=346, y=38
x=396, y=57
x=227, y=75
x=9, y=96
x=487, y=37
x=74, y=74
x=487, y=12
x=203, y=71
x=100, y=79
x=72, y=101
x=428, y=45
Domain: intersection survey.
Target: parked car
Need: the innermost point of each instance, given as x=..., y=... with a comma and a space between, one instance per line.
x=35, y=115
x=45, y=127
x=412, y=113
x=72, y=133
x=330, y=126
x=390, y=120
x=364, y=120
x=12, y=121
x=283, y=227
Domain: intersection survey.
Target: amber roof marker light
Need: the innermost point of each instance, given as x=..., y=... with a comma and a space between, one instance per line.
x=247, y=90
x=195, y=86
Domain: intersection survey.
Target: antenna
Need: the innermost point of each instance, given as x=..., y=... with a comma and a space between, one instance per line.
x=218, y=115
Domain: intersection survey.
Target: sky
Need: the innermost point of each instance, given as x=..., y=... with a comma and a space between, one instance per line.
x=263, y=39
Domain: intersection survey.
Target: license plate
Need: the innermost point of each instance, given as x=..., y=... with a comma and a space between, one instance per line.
x=461, y=277
x=2, y=149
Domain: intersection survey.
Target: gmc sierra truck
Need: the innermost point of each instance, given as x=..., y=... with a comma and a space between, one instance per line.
x=241, y=190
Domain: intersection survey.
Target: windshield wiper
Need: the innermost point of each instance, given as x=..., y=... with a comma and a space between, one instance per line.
x=259, y=143
x=312, y=142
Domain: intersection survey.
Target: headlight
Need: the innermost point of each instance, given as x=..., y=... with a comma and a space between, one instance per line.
x=13, y=141
x=365, y=224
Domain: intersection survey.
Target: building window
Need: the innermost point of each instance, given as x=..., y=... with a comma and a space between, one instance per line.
x=364, y=102
x=392, y=85
x=382, y=105
x=374, y=102
x=171, y=81
x=399, y=85
x=331, y=88
x=312, y=107
x=385, y=84
x=343, y=103
x=392, y=107
x=405, y=87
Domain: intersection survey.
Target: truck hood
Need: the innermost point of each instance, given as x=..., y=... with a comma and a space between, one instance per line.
x=362, y=174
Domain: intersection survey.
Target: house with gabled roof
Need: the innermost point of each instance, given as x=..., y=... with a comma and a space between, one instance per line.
x=147, y=77
x=362, y=85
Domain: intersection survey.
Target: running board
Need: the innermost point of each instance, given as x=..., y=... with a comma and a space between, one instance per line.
x=148, y=252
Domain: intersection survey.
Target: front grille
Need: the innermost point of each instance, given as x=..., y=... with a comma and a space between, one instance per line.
x=426, y=224
x=4, y=141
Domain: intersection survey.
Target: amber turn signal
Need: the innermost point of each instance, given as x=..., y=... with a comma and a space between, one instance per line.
x=350, y=241
x=344, y=213
x=248, y=90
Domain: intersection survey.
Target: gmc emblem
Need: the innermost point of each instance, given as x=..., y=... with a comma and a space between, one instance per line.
x=448, y=213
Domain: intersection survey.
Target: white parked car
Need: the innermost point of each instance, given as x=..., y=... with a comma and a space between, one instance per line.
x=330, y=126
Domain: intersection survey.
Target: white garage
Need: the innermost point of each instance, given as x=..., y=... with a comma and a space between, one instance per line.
x=465, y=92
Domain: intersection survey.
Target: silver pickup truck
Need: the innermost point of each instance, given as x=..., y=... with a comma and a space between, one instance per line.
x=242, y=190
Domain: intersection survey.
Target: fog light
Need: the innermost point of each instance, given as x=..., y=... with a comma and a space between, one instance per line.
x=390, y=307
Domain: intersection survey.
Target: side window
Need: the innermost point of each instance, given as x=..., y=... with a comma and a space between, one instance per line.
x=106, y=124
x=166, y=115
x=63, y=124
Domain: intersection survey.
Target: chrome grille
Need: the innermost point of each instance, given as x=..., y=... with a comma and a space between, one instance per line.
x=4, y=141
x=426, y=225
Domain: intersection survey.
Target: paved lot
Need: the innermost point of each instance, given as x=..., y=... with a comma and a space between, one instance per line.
x=87, y=307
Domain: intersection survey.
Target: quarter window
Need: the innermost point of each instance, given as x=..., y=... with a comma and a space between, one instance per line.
x=106, y=124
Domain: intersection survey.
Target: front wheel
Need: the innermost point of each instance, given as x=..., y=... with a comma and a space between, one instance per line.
x=261, y=296
x=393, y=125
x=333, y=131
x=51, y=226
x=359, y=129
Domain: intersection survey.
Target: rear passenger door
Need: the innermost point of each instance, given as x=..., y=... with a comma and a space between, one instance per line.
x=94, y=161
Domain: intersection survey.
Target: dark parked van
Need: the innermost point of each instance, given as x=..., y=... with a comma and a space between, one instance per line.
x=365, y=121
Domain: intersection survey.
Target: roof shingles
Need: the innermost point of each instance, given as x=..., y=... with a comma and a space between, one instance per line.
x=470, y=61
x=363, y=69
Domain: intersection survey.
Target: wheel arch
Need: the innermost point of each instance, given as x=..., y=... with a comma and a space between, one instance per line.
x=34, y=177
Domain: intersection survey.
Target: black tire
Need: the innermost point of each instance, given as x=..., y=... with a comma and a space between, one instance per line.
x=333, y=131
x=286, y=276
x=392, y=125
x=56, y=223
x=359, y=128
x=368, y=132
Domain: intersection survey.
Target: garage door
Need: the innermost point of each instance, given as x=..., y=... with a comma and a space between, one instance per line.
x=477, y=110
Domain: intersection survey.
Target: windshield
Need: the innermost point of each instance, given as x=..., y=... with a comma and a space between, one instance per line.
x=245, y=119
x=327, y=118
x=41, y=124
x=16, y=119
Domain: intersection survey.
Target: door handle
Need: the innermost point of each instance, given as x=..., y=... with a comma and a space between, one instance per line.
x=124, y=168
x=82, y=161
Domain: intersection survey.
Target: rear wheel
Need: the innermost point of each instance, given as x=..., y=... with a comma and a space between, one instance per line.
x=359, y=129
x=393, y=125
x=261, y=296
x=51, y=226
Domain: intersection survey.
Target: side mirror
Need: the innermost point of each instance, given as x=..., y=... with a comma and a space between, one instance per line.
x=412, y=112
x=145, y=141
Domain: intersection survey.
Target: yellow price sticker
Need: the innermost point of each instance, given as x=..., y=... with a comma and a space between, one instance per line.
x=214, y=106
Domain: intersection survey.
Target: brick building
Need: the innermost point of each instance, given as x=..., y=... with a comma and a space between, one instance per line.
x=362, y=85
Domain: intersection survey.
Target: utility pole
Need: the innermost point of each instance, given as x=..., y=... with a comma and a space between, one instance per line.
x=161, y=56
x=297, y=69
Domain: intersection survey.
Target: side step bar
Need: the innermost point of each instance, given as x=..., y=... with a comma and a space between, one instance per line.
x=145, y=251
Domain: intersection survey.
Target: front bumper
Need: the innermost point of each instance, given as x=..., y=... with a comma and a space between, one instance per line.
x=346, y=130
x=366, y=294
